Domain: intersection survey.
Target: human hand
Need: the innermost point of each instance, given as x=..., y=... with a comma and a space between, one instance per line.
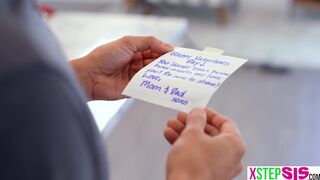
x=175, y=126
x=206, y=146
x=107, y=70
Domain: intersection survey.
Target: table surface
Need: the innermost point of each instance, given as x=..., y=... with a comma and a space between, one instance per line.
x=80, y=32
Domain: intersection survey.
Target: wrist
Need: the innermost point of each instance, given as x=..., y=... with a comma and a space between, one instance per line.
x=80, y=68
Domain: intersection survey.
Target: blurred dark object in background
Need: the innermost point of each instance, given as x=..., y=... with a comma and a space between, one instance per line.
x=45, y=10
x=220, y=8
x=311, y=7
x=307, y=3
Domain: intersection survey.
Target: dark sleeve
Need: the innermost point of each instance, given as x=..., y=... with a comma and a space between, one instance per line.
x=46, y=132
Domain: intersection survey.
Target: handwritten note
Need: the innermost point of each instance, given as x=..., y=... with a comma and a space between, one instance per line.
x=183, y=79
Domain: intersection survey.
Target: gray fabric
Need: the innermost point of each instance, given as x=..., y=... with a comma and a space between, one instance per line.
x=46, y=129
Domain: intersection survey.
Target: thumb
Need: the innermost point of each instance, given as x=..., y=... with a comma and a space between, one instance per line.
x=196, y=119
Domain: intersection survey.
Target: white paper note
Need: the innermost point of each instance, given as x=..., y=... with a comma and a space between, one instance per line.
x=182, y=79
x=213, y=51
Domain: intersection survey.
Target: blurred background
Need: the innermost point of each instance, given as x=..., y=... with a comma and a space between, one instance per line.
x=274, y=98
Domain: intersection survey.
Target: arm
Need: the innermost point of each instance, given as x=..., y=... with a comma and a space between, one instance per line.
x=46, y=130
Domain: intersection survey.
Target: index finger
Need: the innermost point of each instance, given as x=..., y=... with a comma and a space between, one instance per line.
x=224, y=124
x=143, y=43
x=229, y=127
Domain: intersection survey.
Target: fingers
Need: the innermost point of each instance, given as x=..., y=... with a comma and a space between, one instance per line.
x=149, y=57
x=173, y=130
x=170, y=135
x=222, y=123
x=218, y=120
x=210, y=113
x=149, y=54
x=178, y=127
x=207, y=120
x=140, y=44
x=182, y=117
x=230, y=127
x=196, y=119
x=211, y=130
x=175, y=125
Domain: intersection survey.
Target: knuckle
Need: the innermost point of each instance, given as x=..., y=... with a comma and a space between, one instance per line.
x=231, y=138
x=125, y=38
x=192, y=131
x=170, y=122
x=237, y=143
x=226, y=118
x=194, y=118
x=128, y=42
x=151, y=38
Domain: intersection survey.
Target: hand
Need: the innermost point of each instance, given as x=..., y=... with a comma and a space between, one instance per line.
x=206, y=146
x=176, y=126
x=107, y=70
